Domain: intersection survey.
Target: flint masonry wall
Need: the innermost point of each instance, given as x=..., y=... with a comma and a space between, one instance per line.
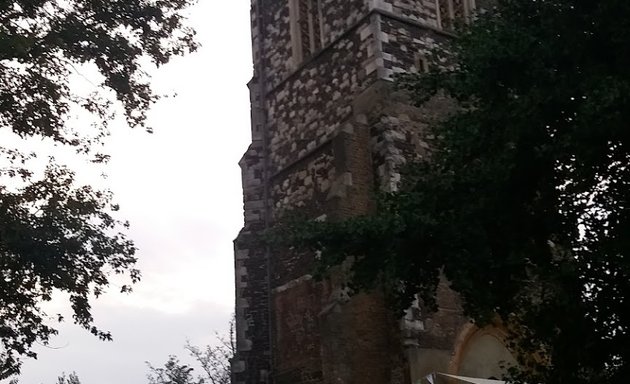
x=327, y=131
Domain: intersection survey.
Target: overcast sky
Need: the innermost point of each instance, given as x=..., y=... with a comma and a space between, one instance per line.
x=181, y=190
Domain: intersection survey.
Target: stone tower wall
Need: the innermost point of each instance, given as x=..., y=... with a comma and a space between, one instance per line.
x=328, y=130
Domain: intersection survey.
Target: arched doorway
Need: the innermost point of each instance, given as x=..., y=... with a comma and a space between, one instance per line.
x=482, y=353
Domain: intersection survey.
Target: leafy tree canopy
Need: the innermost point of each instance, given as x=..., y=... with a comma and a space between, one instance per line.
x=55, y=234
x=173, y=372
x=214, y=360
x=72, y=378
x=69, y=379
x=524, y=203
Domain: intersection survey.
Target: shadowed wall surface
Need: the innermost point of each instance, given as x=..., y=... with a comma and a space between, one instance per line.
x=328, y=130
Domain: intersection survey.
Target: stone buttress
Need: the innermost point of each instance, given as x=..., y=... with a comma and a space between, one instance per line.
x=328, y=130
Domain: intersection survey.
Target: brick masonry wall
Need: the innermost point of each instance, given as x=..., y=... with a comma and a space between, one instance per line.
x=308, y=109
x=252, y=364
x=306, y=185
x=337, y=18
x=406, y=43
x=326, y=134
x=423, y=11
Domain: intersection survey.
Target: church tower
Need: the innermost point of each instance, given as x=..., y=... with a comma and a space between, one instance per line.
x=328, y=130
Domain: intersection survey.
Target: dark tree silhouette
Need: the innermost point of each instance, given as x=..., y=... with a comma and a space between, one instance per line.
x=524, y=202
x=56, y=235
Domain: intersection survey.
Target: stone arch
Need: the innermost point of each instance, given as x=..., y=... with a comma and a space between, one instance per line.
x=481, y=352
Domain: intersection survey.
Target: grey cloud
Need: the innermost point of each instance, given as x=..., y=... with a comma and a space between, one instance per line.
x=139, y=336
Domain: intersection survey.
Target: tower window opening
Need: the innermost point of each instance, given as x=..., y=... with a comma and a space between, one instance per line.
x=452, y=12
x=421, y=63
x=306, y=28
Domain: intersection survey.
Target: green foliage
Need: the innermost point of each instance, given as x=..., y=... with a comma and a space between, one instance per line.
x=54, y=234
x=173, y=372
x=70, y=379
x=524, y=203
x=214, y=360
